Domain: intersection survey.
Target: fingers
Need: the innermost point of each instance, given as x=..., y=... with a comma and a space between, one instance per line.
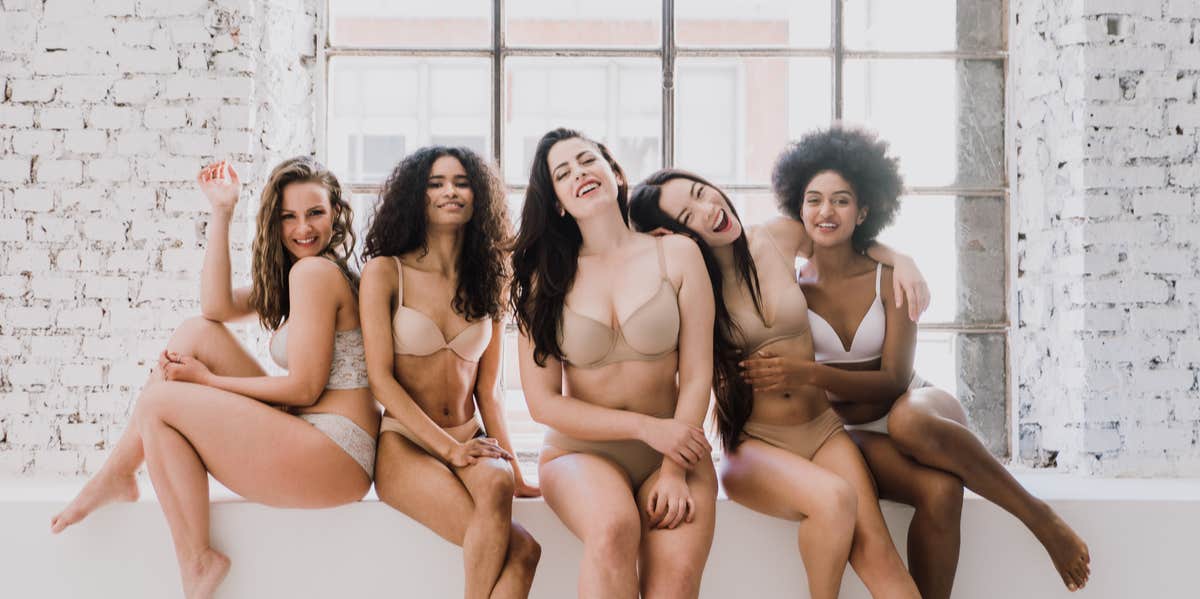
x=691, y=511
x=487, y=448
x=655, y=508
x=677, y=512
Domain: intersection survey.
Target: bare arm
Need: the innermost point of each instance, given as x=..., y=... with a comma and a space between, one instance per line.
x=895, y=370
x=489, y=399
x=219, y=301
x=376, y=292
x=696, y=311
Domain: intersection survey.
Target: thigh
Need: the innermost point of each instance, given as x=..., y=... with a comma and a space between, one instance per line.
x=589, y=493
x=926, y=402
x=841, y=456
x=776, y=482
x=422, y=487
x=899, y=477
x=215, y=345
x=687, y=545
x=259, y=452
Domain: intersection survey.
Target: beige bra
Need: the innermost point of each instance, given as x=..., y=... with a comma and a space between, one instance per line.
x=415, y=334
x=650, y=332
x=790, y=309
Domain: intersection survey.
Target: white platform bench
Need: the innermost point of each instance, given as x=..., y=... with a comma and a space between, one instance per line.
x=1144, y=537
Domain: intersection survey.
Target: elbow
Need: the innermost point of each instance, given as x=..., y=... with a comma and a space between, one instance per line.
x=309, y=392
x=211, y=313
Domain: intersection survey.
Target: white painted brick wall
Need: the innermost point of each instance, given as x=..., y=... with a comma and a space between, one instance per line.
x=107, y=110
x=1108, y=246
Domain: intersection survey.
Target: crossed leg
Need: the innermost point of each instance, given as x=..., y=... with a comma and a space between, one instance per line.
x=470, y=507
x=929, y=425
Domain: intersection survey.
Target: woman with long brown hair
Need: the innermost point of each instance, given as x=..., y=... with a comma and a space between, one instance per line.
x=616, y=359
x=432, y=308
x=305, y=439
x=786, y=455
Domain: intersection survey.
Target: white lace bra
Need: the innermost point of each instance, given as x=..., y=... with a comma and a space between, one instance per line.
x=347, y=370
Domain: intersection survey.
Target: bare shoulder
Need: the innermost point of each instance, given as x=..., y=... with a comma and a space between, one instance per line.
x=680, y=249
x=315, y=272
x=379, y=268
x=885, y=284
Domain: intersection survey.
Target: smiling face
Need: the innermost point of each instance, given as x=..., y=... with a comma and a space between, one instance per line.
x=830, y=210
x=584, y=181
x=306, y=219
x=449, y=200
x=702, y=209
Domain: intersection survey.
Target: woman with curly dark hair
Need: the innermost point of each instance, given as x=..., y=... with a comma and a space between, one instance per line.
x=616, y=355
x=432, y=301
x=845, y=187
x=210, y=408
x=785, y=453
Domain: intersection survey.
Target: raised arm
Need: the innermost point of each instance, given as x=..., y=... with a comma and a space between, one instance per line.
x=376, y=291
x=908, y=284
x=219, y=301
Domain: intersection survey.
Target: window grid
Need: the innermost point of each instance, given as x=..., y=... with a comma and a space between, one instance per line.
x=668, y=51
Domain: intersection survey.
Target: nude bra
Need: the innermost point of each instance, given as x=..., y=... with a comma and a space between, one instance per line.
x=789, y=319
x=415, y=334
x=867, y=343
x=650, y=332
x=347, y=369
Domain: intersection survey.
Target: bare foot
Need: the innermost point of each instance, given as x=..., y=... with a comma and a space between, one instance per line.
x=1068, y=552
x=201, y=579
x=101, y=490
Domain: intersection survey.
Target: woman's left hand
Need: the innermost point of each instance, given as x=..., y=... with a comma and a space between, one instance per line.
x=670, y=502
x=185, y=369
x=908, y=284
x=520, y=487
x=766, y=371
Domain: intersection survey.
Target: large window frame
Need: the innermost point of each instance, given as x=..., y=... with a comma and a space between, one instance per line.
x=668, y=52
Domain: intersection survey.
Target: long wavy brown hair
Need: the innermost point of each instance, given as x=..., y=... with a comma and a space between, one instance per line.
x=734, y=398
x=272, y=262
x=400, y=223
x=546, y=251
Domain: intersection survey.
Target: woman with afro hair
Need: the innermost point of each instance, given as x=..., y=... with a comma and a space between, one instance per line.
x=845, y=187
x=432, y=298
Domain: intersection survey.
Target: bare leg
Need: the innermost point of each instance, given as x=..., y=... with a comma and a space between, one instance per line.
x=779, y=483
x=592, y=497
x=935, y=530
x=929, y=425
x=116, y=480
x=673, y=559
x=485, y=542
x=872, y=554
x=421, y=486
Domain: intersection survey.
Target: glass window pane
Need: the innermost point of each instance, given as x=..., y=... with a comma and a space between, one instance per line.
x=380, y=109
x=943, y=118
x=616, y=101
x=924, y=25
x=781, y=23
x=589, y=24
x=925, y=229
x=410, y=23
x=754, y=207
x=733, y=116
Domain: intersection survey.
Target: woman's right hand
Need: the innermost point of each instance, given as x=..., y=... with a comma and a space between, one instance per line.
x=220, y=184
x=678, y=441
x=466, y=454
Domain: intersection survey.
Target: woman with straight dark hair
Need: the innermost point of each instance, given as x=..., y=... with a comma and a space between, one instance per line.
x=616, y=359
x=843, y=185
x=432, y=307
x=786, y=455
x=305, y=439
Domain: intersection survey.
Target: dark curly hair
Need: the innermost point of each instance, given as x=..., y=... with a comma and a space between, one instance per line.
x=735, y=399
x=546, y=250
x=860, y=157
x=399, y=226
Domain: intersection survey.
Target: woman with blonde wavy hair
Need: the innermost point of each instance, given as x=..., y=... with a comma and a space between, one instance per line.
x=305, y=439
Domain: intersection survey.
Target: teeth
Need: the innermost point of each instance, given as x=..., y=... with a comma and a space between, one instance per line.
x=587, y=188
x=722, y=218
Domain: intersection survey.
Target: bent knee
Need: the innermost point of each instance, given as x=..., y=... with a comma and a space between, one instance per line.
x=492, y=482
x=838, y=504
x=615, y=536
x=940, y=495
x=193, y=328
x=524, y=549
